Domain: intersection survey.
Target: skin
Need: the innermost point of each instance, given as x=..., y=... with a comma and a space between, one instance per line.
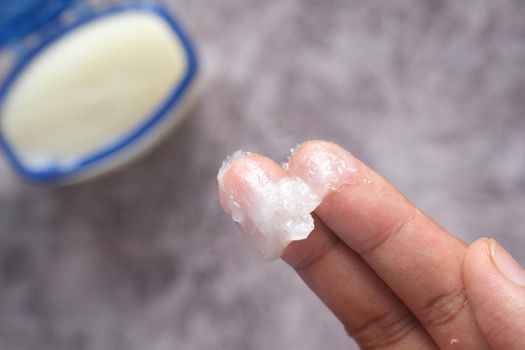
x=394, y=277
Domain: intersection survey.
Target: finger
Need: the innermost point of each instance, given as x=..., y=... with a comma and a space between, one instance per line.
x=418, y=259
x=270, y=209
x=368, y=309
x=495, y=284
x=365, y=305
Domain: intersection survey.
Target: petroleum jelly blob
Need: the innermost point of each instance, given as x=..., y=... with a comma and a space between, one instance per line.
x=272, y=212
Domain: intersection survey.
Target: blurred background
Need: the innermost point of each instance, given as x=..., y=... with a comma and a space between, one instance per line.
x=431, y=93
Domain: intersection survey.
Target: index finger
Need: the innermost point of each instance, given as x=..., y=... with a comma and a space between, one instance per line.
x=418, y=259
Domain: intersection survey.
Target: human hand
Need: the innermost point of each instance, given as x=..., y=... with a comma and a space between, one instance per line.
x=395, y=278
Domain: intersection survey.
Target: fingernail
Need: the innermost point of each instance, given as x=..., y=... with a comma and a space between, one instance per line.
x=506, y=264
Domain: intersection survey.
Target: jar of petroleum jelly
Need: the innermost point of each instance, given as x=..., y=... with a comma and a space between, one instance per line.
x=89, y=88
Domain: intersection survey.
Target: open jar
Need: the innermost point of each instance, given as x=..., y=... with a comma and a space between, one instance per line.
x=89, y=88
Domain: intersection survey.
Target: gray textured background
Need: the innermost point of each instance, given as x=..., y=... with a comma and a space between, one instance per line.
x=430, y=93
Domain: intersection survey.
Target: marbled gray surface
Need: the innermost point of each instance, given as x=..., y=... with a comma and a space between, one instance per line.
x=431, y=93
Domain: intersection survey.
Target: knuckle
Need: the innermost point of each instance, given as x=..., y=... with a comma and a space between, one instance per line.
x=443, y=308
x=385, y=330
x=400, y=226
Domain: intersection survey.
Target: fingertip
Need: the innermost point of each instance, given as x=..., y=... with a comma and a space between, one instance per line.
x=236, y=167
x=242, y=172
x=318, y=149
x=484, y=268
x=321, y=164
x=479, y=252
x=270, y=209
x=477, y=264
x=495, y=299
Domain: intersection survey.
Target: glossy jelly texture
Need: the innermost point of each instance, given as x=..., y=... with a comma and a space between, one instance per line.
x=273, y=210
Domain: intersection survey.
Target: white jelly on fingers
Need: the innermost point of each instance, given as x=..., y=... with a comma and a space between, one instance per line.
x=271, y=210
x=324, y=166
